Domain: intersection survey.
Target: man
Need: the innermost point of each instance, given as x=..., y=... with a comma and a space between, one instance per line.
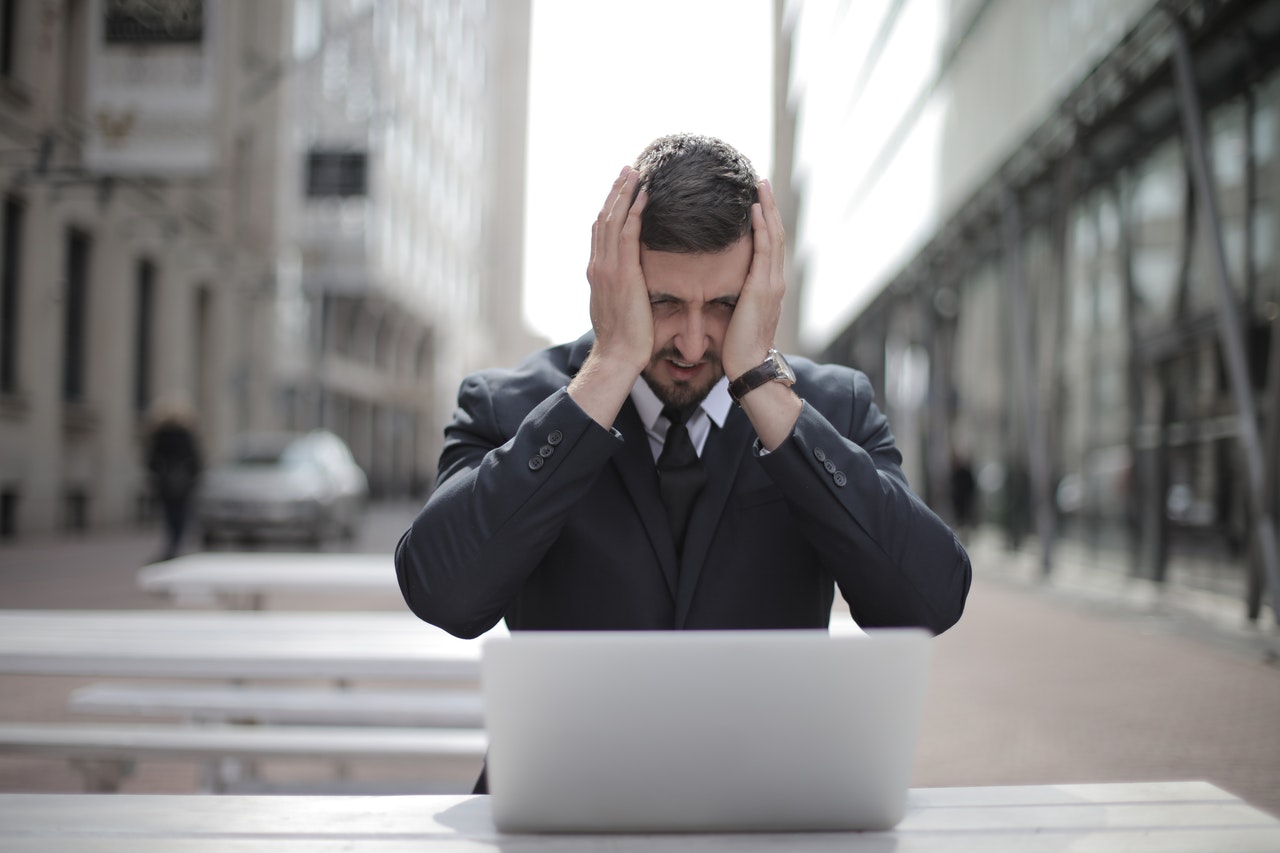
x=549, y=507
x=174, y=461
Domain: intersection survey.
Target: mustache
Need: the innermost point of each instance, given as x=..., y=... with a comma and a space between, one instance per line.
x=711, y=357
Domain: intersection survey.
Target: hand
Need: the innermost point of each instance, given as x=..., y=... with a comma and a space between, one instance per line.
x=773, y=408
x=620, y=312
x=755, y=319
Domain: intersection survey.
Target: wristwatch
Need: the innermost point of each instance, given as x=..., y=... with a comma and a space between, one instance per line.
x=774, y=369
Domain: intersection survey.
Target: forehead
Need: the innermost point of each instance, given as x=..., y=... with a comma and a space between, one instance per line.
x=696, y=276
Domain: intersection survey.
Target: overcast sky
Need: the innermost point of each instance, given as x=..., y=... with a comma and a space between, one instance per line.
x=607, y=77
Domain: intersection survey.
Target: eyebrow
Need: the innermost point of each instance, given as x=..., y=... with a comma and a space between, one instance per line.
x=727, y=299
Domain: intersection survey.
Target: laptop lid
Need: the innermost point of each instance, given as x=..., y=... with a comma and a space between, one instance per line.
x=702, y=730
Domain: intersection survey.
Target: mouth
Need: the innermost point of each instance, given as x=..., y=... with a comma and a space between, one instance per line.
x=683, y=369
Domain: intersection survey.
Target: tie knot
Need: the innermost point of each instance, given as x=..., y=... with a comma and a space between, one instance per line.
x=676, y=415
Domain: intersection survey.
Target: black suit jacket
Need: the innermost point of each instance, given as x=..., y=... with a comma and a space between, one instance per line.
x=542, y=517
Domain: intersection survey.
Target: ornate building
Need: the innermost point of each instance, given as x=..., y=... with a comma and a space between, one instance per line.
x=292, y=214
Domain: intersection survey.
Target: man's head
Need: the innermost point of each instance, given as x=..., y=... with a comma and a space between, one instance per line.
x=695, y=250
x=700, y=194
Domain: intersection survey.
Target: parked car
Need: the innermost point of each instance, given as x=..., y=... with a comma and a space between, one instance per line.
x=283, y=485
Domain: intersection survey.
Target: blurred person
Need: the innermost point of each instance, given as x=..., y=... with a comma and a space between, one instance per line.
x=964, y=493
x=174, y=463
x=670, y=469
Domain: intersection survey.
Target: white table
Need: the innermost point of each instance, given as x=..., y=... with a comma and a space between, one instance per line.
x=247, y=579
x=1125, y=818
x=233, y=645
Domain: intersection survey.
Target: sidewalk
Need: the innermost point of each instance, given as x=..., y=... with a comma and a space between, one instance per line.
x=1096, y=679
x=1087, y=679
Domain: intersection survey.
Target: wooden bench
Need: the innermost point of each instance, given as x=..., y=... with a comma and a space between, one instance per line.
x=239, y=645
x=105, y=753
x=248, y=580
x=284, y=704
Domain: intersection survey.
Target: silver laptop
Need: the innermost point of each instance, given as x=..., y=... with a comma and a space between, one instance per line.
x=702, y=730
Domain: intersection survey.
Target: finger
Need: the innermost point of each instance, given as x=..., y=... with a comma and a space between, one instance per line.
x=597, y=230
x=773, y=222
x=595, y=249
x=601, y=247
x=619, y=208
x=613, y=190
x=629, y=239
x=762, y=244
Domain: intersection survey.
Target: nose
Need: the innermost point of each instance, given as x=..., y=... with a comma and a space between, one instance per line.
x=691, y=340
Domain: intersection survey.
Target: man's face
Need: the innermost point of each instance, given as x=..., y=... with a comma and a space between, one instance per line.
x=692, y=297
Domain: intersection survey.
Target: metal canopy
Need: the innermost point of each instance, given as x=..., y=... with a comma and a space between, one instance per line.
x=1117, y=112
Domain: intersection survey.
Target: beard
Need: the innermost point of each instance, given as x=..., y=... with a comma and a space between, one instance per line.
x=681, y=394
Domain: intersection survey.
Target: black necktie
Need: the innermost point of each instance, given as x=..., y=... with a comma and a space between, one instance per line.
x=680, y=472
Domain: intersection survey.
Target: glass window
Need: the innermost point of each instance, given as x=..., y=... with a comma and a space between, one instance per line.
x=980, y=362
x=1156, y=207
x=1043, y=286
x=144, y=334
x=1227, y=158
x=177, y=21
x=76, y=316
x=1266, y=190
x=336, y=173
x=10, y=289
x=8, y=36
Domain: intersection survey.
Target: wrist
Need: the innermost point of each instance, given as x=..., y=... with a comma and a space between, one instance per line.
x=773, y=410
x=772, y=369
x=602, y=385
x=616, y=362
x=739, y=362
x=735, y=367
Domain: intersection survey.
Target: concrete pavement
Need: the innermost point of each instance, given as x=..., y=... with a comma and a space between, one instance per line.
x=1091, y=678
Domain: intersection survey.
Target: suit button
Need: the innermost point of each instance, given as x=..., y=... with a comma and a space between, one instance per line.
x=545, y=451
x=536, y=462
x=819, y=454
x=839, y=478
x=830, y=466
x=555, y=437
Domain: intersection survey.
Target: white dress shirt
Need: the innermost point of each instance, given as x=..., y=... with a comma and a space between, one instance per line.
x=714, y=409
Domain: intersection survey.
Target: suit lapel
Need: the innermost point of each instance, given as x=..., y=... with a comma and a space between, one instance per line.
x=640, y=477
x=636, y=469
x=725, y=450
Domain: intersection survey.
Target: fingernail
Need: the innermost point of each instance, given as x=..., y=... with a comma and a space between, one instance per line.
x=624, y=171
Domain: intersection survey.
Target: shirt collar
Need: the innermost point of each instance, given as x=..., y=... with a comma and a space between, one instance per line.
x=716, y=404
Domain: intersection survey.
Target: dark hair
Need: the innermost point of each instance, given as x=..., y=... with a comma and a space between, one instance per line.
x=700, y=194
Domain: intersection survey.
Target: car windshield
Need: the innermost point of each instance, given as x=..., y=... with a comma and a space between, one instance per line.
x=272, y=455
x=259, y=459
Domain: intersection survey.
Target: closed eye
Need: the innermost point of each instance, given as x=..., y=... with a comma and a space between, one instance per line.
x=664, y=306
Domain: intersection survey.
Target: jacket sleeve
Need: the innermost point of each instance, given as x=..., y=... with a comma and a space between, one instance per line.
x=896, y=563
x=502, y=495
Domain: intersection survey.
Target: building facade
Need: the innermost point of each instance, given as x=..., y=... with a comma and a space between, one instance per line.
x=1081, y=295
x=404, y=211
x=290, y=215
x=137, y=263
